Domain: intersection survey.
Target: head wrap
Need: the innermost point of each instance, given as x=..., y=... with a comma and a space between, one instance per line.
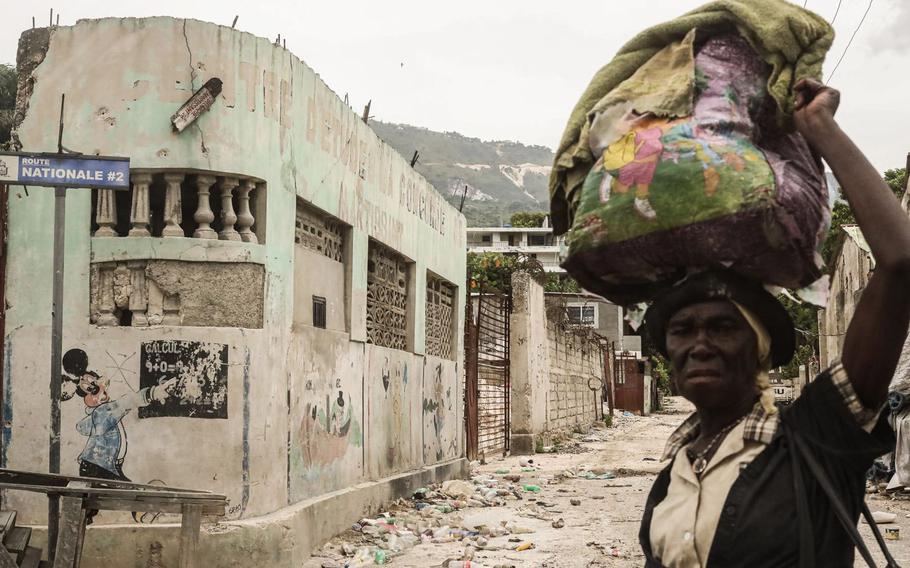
x=762, y=379
x=726, y=286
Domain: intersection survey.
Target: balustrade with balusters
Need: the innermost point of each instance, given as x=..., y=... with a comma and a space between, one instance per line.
x=179, y=204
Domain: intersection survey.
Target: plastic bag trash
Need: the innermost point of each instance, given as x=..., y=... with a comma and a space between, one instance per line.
x=361, y=559
x=531, y=488
x=457, y=488
x=881, y=517
x=526, y=545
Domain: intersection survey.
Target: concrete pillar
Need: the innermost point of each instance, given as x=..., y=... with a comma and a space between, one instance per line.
x=529, y=364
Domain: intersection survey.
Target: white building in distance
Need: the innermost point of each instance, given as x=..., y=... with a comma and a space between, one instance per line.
x=536, y=242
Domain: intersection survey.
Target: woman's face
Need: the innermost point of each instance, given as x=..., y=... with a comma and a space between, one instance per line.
x=713, y=352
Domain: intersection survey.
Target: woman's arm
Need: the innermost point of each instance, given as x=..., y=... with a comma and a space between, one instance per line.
x=877, y=332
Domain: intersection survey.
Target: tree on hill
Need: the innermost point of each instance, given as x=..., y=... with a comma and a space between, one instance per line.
x=527, y=219
x=7, y=101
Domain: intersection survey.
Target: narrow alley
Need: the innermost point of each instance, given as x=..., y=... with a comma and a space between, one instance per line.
x=586, y=514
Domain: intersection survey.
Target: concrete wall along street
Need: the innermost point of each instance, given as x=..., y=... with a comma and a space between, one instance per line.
x=553, y=370
x=852, y=267
x=203, y=325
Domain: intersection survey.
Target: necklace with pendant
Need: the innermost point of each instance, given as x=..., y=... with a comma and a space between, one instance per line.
x=700, y=459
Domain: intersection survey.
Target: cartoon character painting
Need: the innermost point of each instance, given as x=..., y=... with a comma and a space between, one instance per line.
x=106, y=444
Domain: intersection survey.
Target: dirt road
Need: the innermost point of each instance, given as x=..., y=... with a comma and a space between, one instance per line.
x=593, y=490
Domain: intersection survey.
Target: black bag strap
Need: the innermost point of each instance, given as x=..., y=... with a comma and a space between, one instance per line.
x=839, y=509
x=806, y=536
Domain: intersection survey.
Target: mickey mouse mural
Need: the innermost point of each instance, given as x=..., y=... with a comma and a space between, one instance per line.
x=105, y=449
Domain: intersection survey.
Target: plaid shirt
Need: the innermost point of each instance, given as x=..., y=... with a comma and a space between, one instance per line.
x=761, y=426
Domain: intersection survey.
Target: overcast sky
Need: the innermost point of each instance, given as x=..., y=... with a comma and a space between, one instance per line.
x=509, y=69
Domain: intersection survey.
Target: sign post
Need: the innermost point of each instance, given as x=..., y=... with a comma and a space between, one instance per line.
x=61, y=171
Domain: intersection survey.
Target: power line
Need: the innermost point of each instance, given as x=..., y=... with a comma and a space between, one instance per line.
x=836, y=12
x=849, y=43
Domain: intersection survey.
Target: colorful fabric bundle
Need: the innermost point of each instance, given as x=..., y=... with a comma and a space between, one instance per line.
x=694, y=169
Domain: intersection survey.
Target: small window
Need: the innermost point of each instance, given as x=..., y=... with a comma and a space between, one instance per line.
x=319, y=312
x=537, y=240
x=582, y=315
x=486, y=238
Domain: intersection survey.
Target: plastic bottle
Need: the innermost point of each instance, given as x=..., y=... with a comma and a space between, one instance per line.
x=531, y=488
x=380, y=557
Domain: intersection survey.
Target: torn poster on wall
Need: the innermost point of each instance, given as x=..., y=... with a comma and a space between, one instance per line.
x=201, y=371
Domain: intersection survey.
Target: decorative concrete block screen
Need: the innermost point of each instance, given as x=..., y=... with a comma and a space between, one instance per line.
x=180, y=204
x=387, y=297
x=319, y=232
x=440, y=317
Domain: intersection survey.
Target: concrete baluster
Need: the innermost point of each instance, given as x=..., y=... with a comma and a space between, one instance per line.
x=106, y=307
x=155, y=311
x=204, y=215
x=245, y=217
x=173, y=212
x=171, y=310
x=106, y=214
x=228, y=217
x=139, y=211
x=139, y=298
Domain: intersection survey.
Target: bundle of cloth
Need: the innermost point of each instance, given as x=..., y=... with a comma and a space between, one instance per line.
x=681, y=155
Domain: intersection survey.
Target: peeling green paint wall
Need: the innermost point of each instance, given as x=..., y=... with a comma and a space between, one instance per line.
x=277, y=121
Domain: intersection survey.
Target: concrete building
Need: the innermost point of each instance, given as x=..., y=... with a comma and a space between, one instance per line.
x=275, y=308
x=853, y=265
x=587, y=310
x=537, y=242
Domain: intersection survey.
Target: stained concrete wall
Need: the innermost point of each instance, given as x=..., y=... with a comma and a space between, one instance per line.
x=553, y=368
x=576, y=365
x=280, y=434
x=852, y=268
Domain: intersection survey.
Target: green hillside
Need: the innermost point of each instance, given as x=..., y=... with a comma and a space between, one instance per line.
x=502, y=177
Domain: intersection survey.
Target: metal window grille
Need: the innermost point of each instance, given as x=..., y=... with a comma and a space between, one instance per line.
x=319, y=312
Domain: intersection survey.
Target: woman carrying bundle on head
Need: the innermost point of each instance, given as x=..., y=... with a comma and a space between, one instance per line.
x=689, y=176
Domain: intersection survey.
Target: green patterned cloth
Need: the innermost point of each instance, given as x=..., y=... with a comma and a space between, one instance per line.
x=792, y=40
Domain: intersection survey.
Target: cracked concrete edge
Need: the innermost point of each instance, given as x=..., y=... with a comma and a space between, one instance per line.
x=282, y=539
x=32, y=49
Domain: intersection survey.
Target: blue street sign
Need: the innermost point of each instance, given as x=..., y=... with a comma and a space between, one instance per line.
x=54, y=170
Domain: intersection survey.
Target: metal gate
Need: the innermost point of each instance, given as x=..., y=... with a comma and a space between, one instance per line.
x=629, y=383
x=487, y=384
